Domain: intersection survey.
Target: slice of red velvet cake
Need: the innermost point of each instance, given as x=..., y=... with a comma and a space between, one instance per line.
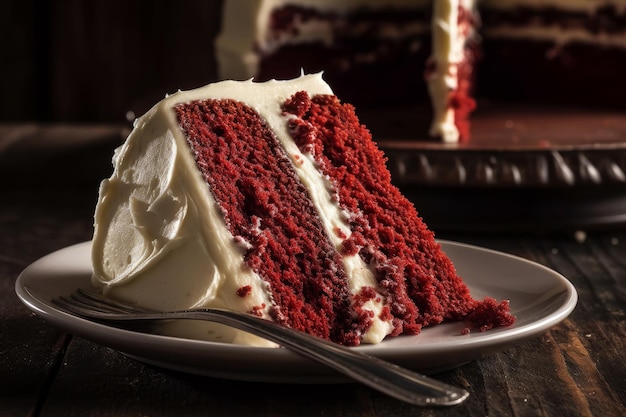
x=271, y=198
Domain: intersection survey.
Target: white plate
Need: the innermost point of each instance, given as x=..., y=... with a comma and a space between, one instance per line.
x=539, y=297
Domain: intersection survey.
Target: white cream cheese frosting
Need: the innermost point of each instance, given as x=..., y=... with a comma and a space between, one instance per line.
x=449, y=40
x=159, y=238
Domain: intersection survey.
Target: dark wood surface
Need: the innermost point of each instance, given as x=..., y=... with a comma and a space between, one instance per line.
x=47, y=196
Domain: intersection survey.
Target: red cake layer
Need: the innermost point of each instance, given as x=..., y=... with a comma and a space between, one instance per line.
x=461, y=100
x=265, y=204
x=387, y=232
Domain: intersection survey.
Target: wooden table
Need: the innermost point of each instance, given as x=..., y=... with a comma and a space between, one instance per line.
x=578, y=368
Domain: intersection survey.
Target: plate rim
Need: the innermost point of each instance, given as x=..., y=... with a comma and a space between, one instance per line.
x=484, y=343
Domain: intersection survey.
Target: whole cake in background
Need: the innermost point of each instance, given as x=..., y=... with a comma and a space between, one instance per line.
x=373, y=53
x=441, y=55
x=272, y=199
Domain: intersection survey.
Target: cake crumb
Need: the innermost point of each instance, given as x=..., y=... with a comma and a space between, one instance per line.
x=489, y=314
x=244, y=291
x=258, y=310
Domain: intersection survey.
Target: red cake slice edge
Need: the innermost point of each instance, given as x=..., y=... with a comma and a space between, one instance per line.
x=419, y=279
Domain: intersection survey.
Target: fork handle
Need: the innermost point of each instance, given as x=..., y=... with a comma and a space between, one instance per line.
x=386, y=377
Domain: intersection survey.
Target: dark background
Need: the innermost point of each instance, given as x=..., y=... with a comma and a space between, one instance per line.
x=92, y=61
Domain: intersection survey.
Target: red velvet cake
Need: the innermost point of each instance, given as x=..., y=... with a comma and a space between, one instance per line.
x=568, y=53
x=271, y=198
x=384, y=45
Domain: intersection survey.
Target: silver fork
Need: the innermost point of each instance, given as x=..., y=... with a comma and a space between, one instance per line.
x=383, y=376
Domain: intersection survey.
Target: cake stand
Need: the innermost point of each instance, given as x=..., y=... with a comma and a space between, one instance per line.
x=525, y=169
